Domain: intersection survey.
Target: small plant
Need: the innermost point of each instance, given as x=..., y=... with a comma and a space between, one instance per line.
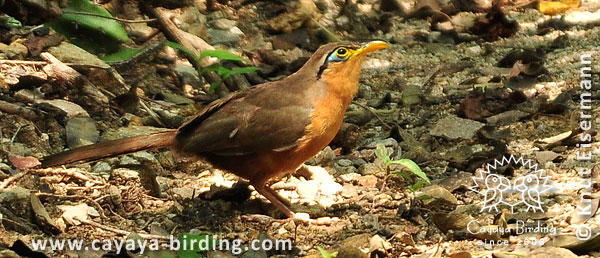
x=222, y=55
x=325, y=254
x=413, y=169
x=192, y=245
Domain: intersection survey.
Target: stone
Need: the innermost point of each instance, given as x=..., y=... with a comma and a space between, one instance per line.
x=69, y=53
x=68, y=107
x=81, y=131
x=225, y=37
x=507, y=117
x=411, y=94
x=308, y=189
x=367, y=181
x=455, y=128
x=349, y=191
x=330, y=188
x=370, y=169
x=14, y=51
x=350, y=177
x=382, y=199
x=222, y=24
x=344, y=162
x=73, y=214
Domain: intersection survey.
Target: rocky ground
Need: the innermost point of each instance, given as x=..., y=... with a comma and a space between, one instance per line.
x=479, y=97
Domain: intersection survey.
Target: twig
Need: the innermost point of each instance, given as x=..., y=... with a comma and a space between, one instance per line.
x=12, y=179
x=437, y=248
x=431, y=75
x=327, y=31
x=152, y=114
x=12, y=140
x=71, y=172
x=120, y=231
x=4, y=61
x=374, y=114
x=94, y=203
x=17, y=110
x=23, y=62
x=110, y=18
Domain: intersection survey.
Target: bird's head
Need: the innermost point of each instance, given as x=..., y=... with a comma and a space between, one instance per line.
x=338, y=64
x=344, y=59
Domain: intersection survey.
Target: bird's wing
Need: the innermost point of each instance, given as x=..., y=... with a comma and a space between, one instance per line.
x=261, y=119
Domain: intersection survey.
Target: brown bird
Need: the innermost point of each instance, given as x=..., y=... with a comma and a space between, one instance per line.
x=262, y=132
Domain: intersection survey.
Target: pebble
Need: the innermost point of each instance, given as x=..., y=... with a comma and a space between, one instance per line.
x=308, y=189
x=330, y=188
x=454, y=128
x=367, y=181
x=81, y=131
x=369, y=169
x=350, y=177
x=14, y=51
x=344, y=162
x=222, y=24
x=349, y=191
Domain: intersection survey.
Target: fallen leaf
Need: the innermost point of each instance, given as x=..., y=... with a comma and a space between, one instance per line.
x=23, y=163
x=554, y=8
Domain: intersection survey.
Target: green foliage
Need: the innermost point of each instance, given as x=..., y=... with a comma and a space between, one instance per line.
x=89, y=26
x=382, y=153
x=124, y=53
x=325, y=254
x=12, y=22
x=218, y=68
x=194, y=245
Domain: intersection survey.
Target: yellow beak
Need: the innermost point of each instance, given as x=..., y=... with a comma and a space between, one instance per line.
x=372, y=46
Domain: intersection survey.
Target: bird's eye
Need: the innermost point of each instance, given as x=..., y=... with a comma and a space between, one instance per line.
x=340, y=54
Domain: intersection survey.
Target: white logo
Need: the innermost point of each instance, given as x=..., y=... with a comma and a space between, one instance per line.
x=497, y=188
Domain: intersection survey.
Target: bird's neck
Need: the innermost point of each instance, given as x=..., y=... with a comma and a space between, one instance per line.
x=342, y=84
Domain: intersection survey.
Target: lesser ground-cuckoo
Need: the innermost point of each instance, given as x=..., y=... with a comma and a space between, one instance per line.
x=262, y=132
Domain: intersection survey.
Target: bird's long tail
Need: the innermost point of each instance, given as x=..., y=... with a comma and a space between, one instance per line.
x=111, y=148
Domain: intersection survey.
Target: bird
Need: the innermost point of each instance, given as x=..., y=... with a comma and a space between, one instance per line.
x=262, y=132
x=496, y=186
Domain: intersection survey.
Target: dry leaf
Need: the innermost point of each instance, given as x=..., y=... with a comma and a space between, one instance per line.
x=554, y=8
x=23, y=163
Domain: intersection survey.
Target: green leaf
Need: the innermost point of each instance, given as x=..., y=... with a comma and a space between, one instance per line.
x=412, y=167
x=405, y=175
x=417, y=186
x=194, y=245
x=223, y=71
x=244, y=70
x=124, y=54
x=181, y=48
x=214, y=85
x=97, y=33
x=325, y=254
x=221, y=54
x=10, y=21
x=425, y=196
x=382, y=153
x=109, y=27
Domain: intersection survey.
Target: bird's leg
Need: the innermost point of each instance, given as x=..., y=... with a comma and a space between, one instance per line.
x=274, y=198
x=283, y=200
